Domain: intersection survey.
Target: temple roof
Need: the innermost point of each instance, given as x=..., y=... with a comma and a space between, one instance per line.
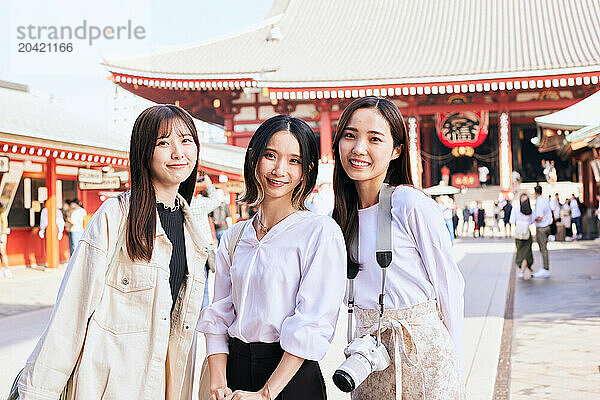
x=27, y=115
x=315, y=43
x=583, y=113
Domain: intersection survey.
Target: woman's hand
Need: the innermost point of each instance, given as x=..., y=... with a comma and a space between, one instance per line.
x=220, y=394
x=241, y=395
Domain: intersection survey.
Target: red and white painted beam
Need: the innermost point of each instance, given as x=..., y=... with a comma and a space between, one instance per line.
x=57, y=153
x=414, y=89
x=185, y=84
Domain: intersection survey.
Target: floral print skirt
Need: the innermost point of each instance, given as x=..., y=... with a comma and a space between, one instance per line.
x=424, y=361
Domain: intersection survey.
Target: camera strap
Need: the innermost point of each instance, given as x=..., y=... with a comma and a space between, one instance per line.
x=383, y=255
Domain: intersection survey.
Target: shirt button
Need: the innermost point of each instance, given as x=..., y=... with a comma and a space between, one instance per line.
x=179, y=364
x=125, y=280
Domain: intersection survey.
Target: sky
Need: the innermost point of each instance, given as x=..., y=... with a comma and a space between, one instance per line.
x=76, y=80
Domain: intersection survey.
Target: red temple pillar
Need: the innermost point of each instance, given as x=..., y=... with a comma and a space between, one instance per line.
x=233, y=207
x=228, y=126
x=325, y=131
x=51, y=233
x=505, y=151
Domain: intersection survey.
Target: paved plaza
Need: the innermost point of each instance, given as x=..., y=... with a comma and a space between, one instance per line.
x=556, y=327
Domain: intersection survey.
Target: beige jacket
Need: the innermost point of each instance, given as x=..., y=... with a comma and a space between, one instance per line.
x=133, y=348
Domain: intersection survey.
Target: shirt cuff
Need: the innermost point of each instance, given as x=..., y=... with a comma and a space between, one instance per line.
x=216, y=344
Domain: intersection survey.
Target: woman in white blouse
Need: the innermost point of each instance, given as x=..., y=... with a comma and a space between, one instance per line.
x=424, y=287
x=275, y=306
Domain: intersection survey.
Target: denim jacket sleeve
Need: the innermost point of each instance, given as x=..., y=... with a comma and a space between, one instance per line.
x=54, y=358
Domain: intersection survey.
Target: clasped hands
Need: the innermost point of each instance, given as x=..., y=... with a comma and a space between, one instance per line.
x=227, y=394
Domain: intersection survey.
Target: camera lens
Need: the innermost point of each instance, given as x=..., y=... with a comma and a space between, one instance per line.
x=343, y=381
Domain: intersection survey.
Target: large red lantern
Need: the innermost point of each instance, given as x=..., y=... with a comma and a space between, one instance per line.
x=463, y=129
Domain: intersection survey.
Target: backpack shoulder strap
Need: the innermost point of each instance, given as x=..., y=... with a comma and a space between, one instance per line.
x=236, y=234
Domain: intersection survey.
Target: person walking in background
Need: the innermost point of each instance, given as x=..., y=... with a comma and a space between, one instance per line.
x=76, y=220
x=543, y=220
x=497, y=218
x=455, y=217
x=60, y=223
x=483, y=175
x=66, y=211
x=200, y=207
x=447, y=214
x=565, y=217
x=466, y=214
x=480, y=216
x=555, y=206
x=4, y=231
x=576, y=215
x=522, y=217
x=507, y=210
x=222, y=219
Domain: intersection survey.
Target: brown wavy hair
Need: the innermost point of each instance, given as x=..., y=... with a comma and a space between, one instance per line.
x=153, y=123
x=345, y=210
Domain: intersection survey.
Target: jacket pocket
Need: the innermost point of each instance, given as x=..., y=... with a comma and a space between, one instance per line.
x=128, y=300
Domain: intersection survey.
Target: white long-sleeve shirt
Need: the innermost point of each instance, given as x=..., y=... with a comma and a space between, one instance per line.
x=542, y=210
x=575, y=211
x=423, y=265
x=287, y=287
x=517, y=216
x=60, y=221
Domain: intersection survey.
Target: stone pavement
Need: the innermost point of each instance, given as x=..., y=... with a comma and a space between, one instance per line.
x=556, y=339
x=29, y=290
x=485, y=264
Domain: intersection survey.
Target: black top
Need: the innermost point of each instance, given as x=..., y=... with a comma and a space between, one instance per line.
x=172, y=222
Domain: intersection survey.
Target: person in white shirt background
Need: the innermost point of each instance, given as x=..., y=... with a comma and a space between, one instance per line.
x=483, y=175
x=276, y=304
x=424, y=287
x=555, y=206
x=60, y=223
x=576, y=216
x=543, y=220
x=77, y=219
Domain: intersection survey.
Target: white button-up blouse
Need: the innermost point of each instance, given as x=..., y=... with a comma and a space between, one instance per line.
x=423, y=265
x=287, y=287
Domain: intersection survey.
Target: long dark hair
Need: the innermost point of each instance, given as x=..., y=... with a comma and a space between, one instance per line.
x=309, y=152
x=153, y=123
x=345, y=210
x=525, y=205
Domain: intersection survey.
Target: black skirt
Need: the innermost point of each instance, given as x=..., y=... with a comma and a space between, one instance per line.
x=250, y=365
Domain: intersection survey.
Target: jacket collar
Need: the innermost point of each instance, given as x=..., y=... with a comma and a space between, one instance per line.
x=189, y=224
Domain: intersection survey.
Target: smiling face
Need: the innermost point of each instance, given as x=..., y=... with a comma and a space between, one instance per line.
x=366, y=146
x=174, y=157
x=279, y=169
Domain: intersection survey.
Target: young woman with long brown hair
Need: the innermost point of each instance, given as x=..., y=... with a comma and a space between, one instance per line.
x=424, y=288
x=122, y=326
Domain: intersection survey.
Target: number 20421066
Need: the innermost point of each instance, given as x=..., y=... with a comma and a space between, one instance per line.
x=45, y=47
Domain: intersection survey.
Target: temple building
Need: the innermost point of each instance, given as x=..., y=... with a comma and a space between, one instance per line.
x=470, y=76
